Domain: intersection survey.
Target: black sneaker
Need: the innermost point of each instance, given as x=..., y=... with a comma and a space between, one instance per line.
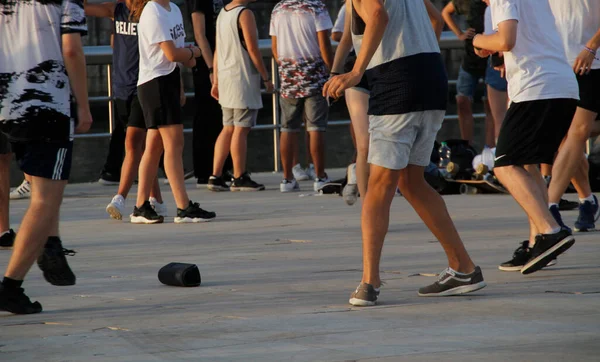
x=245, y=183
x=15, y=301
x=547, y=247
x=554, y=210
x=566, y=205
x=451, y=283
x=108, y=178
x=588, y=215
x=193, y=214
x=54, y=264
x=520, y=257
x=145, y=215
x=365, y=295
x=7, y=240
x=201, y=182
x=217, y=183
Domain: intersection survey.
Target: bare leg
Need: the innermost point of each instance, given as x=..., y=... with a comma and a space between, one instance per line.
x=148, y=169
x=134, y=148
x=358, y=104
x=465, y=117
x=570, y=154
x=46, y=198
x=239, y=148
x=498, y=105
x=289, y=143
x=4, y=191
x=317, y=151
x=155, y=192
x=431, y=208
x=530, y=192
x=581, y=179
x=490, y=132
x=546, y=169
x=172, y=137
x=222, y=147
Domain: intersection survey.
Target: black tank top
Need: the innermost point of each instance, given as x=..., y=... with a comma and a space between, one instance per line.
x=126, y=55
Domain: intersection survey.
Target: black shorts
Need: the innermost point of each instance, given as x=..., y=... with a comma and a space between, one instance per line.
x=129, y=112
x=159, y=99
x=532, y=131
x=589, y=91
x=4, y=145
x=49, y=160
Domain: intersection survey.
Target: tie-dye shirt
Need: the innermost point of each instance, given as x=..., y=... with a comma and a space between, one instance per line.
x=295, y=23
x=34, y=87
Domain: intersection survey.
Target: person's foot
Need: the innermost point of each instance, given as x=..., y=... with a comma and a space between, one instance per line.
x=7, y=240
x=15, y=301
x=54, y=265
x=109, y=179
x=299, y=173
x=310, y=171
x=217, y=183
x=116, y=207
x=21, y=192
x=289, y=186
x=145, y=214
x=160, y=208
x=566, y=205
x=451, y=282
x=520, y=257
x=556, y=214
x=245, y=183
x=202, y=182
x=194, y=214
x=588, y=215
x=547, y=247
x=350, y=194
x=320, y=182
x=365, y=295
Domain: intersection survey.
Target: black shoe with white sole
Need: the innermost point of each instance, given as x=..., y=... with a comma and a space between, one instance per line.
x=451, y=283
x=547, y=247
x=365, y=295
x=7, y=240
x=217, y=183
x=193, y=214
x=146, y=214
x=15, y=301
x=54, y=265
x=245, y=183
x=520, y=257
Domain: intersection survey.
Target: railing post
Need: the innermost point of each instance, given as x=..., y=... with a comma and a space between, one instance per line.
x=276, y=115
x=111, y=106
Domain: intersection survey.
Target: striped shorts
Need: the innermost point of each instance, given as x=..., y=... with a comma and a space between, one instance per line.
x=47, y=160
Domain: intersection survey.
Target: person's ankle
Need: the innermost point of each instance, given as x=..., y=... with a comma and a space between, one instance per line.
x=374, y=283
x=464, y=267
x=11, y=283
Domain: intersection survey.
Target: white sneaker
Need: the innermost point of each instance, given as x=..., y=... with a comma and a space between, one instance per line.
x=351, y=174
x=21, y=192
x=320, y=182
x=161, y=209
x=310, y=171
x=116, y=207
x=299, y=173
x=350, y=194
x=289, y=186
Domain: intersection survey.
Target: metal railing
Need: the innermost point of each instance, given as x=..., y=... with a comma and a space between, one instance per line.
x=102, y=55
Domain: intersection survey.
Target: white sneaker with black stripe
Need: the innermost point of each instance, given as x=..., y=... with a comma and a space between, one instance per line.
x=21, y=192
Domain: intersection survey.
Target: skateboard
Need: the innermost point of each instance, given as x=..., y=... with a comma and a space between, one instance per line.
x=482, y=182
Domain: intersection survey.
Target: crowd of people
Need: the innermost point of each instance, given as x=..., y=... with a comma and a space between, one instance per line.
x=537, y=58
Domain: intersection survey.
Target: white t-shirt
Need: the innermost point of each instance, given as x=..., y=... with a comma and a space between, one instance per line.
x=577, y=21
x=338, y=27
x=158, y=25
x=537, y=67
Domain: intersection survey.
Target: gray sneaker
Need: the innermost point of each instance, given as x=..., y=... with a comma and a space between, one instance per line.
x=451, y=282
x=364, y=295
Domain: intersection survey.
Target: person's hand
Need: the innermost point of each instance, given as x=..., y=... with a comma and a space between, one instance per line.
x=336, y=85
x=84, y=119
x=182, y=98
x=583, y=63
x=190, y=63
x=214, y=91
x=483, y=53
x=469, y=34
x=502, y=70
x=268, y=86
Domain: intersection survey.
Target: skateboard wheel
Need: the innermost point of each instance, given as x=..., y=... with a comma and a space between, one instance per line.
x=452, y=168
x=482, y=169
x=468, y=190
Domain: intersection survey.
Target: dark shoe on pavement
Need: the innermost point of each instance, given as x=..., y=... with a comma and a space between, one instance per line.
x=520, y=257
x=54, y=264
x=145, y=214
x=554, y=210
x=15, y=301
x=217, y=183
x=108, y=178
x=588, y=215
x=365, y=295
x=566, y=205
x=547, y=247
x=193, y=214
x=245, y=183
x=451, y=283
x=7, y=240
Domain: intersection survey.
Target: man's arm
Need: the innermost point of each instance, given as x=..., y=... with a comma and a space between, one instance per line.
x=249, y=31
x=199, y=23
x=501, y=41
x=583, y=63
x=74, y=59
x=325, y=47
x=344, y=47
x=447, y=16
x=103, y=10
x=437, y=22
x=274, y=48
x=179, y=55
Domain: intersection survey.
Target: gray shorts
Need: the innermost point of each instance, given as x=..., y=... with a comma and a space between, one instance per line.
x=314, y=111
x=4, y=145
x=239, y=117
x=402, y=139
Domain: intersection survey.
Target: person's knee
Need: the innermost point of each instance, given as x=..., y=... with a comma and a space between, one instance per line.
x=579, y=132
x=463, y=103
x=381, y=179
x=134, y=143
x=411, y=179
x=241, y=131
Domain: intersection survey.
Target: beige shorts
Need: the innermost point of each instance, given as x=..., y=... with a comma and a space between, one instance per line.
x=402, y=139
x=239, y=117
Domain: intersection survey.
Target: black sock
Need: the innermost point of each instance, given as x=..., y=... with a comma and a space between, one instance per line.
x=9, y=283
x=53, y=240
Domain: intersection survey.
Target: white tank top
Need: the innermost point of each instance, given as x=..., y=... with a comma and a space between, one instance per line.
x=239, y=81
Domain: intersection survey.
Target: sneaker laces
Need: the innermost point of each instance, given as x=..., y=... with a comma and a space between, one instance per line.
x=523, y=249
x=68, y=252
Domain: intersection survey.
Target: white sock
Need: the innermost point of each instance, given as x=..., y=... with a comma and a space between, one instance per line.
x=589, y=198
x=554, y=231
x=552, y=204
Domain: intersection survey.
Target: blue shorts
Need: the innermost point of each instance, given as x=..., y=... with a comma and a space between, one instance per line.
x=466, y=84
x=494, y=80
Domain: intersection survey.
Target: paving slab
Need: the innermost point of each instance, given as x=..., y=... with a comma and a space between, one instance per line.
x=277, y=271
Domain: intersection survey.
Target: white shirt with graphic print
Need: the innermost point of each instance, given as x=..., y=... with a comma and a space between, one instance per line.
x=158, y=25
